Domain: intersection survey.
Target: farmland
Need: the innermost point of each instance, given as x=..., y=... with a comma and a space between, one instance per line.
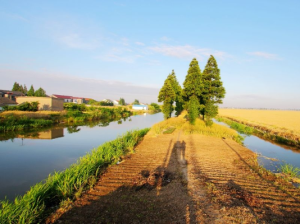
x=281, y=123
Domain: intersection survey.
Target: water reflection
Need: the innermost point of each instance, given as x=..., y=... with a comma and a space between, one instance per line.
x=270, y=154
x=31, y=156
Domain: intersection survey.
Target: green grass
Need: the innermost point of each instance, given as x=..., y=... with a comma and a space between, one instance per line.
x=67, y=185
x=290, y=170
x=241, y=128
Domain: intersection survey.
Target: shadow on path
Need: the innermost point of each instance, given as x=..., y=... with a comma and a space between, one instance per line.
x=148, y=192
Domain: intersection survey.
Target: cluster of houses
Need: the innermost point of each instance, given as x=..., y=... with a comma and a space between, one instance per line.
x=54, y=102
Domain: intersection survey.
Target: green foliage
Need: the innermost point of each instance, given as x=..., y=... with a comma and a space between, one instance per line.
x=290, y=170
x=74, y=107
x=20, y=88
x=193, y=109
x=213, y=91
x=178, y=92
x=11, y=122
x=136, y=102
x=104, y=103
x=26, y=106
x=30, y=91
x=40, y=93
x=241, y=128
x=122, y=102
x=61, y=187
x=193, y=88
x=92, y=102
x=154, y=107
x=167, y=96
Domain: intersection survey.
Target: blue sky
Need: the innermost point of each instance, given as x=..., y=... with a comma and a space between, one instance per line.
x=113, y=49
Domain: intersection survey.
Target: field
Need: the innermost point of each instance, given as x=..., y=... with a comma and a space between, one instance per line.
x=278, y=122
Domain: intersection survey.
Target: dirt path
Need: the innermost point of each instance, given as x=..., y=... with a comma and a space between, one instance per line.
x=185, y=179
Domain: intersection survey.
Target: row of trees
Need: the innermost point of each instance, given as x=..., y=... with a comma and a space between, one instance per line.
x=201, y=93
x=39, y=92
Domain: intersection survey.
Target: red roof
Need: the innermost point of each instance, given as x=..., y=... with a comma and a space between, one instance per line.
x=62, y=96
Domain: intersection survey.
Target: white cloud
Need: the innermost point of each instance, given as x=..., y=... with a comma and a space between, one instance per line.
x=140, y=43
x=76, y=41
x=265, y=55
x=187, y=51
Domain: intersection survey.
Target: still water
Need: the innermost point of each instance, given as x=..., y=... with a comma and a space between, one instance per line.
x=29, y=160
x=268, y=151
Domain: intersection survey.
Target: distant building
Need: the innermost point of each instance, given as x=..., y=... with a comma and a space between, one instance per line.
x=139, y=107
x=116, y=102
x=45, y=103
x=4, y=101
x=70, y=99
x=10, y=94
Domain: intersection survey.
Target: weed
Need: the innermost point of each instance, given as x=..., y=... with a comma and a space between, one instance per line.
x=290, y=170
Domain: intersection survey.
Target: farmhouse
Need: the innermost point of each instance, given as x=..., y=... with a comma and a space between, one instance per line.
x=139, y=107
x=70, y=99
x=116, y=102
x=45, y=103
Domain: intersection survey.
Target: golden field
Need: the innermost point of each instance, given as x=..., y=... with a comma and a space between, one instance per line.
x=275, y=120
x=29, y=114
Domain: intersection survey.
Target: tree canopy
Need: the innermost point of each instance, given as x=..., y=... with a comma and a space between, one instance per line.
x=214, y=91
x=167, y=96
x=136, y=102
x=121, y=101
x=192, y=90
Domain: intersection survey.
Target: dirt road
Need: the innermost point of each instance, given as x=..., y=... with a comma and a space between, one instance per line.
x=178, y=178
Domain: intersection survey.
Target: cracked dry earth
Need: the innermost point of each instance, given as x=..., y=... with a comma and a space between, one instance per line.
x=180, y=178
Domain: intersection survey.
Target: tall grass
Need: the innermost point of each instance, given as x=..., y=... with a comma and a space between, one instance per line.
x=11, y=122
x=241, y=128
x=290, y=170
x=68, y=184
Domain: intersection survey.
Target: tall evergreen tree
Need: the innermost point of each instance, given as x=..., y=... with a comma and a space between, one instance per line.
x=40, y=92
x=136, y=102
x=30, y=91
x=121, y=101
x=213, y=92
x=167, y=96
x=16, y=87
x=25, y=89
x=192, y=90
x=178, y=92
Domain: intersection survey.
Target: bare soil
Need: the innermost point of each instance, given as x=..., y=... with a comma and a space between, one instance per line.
x=178, y=178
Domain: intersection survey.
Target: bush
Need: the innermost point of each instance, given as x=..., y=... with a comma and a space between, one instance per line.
x=26, y=106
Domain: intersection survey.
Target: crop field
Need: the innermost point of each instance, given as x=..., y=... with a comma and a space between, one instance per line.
x=275, y=120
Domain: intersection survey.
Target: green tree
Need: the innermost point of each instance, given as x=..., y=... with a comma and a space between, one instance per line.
x=121, y=101
x=16, y=87
x=136, y=102
x=167, y=96
x=213, y=92
x=40, y=92
x=192, y=90
x=30, y=91
x=25, y=89
x=178, y=92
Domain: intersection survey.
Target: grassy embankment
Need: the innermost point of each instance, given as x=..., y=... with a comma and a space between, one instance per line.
x=168, y=126
x=24, y=120
x=279, y=126
x=61, y=188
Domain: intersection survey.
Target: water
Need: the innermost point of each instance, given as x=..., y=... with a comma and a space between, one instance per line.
x=29, y=160
x=269, y=151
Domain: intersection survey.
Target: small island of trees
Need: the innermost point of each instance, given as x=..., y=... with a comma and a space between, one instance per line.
x=201, y=93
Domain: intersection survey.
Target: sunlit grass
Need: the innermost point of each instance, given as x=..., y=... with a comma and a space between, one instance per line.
x=181, y=123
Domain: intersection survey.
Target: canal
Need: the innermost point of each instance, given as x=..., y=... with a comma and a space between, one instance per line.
x=29, y=159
